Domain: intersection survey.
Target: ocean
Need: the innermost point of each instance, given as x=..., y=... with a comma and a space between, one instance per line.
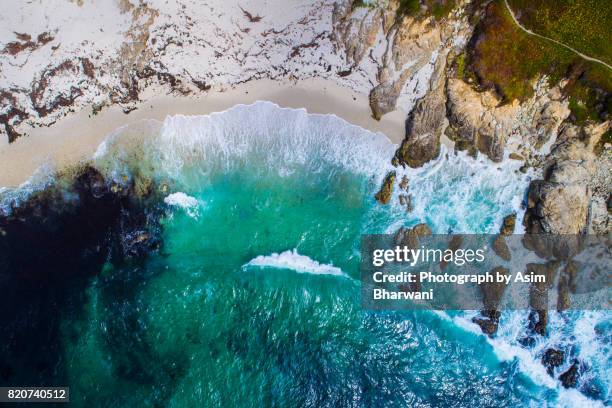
x=251, y=295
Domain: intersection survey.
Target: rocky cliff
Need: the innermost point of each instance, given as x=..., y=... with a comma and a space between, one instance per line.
x=569, y=159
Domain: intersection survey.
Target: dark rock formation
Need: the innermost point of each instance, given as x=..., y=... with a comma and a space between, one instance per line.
x=538, y=295
x=552, y=359
x=489, y=322
x=422, y=142
x=406, y=201
x=52, y=244
x=404, y=183
x=567, y=285
x=538, y=320
x=569, y=379
x=453, y=245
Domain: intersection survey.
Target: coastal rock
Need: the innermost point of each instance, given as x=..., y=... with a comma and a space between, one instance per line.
x=508, y=225
x=398, y=46
x=479, y=121
x=493, y=292
x=539, y=291
x=421, y=229
x=538, y=295
x=560, y=203
x=411, y=43
x=576, y=183
x=501, y=248
x=386, y=190
x=410, y=236
x=383, y=98
x=538, y=320
x=567, y=285
x=552, y=359
x=406, y=201
x=569, y=379
x=356, y=29
x=425, y=124
x=491, y=296
x=489, y=323
x=453, y=245
x=476, y=120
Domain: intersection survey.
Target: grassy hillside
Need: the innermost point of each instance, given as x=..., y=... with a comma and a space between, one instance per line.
x=585, y=25
x=502, y=57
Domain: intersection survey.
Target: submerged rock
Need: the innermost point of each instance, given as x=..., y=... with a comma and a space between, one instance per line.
x=538, y=320
x=54, y=243
x=406, y=201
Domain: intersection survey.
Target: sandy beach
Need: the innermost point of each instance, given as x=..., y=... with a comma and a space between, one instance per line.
x=77, y=136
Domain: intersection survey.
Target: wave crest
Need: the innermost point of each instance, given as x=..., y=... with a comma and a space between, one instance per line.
x=292, y=260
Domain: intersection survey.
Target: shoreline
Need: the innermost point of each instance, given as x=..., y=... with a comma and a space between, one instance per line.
x=77, y=136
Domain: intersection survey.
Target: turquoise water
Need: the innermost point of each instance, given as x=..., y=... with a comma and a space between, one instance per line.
x=253, y=299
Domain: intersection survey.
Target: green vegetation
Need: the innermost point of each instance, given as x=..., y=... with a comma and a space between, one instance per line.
x=439, y=9
x=360, y=3
x=460, y=65
x=585, y=25
x=503, y=57
x=409, y=7
x=423, y=8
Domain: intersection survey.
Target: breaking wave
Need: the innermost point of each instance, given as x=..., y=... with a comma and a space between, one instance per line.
x=292, y=260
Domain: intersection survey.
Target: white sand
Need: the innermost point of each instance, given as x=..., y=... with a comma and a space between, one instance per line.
x=76, y=137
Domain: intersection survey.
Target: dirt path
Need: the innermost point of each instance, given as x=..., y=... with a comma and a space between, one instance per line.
x=528, y=31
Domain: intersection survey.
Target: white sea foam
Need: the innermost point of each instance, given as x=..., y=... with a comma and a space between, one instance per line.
x=506, y=348
x=457, y=193
x=42, y=178
x=453, y=193
x=191, y=205
x=291, y=259
x=280, y=139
